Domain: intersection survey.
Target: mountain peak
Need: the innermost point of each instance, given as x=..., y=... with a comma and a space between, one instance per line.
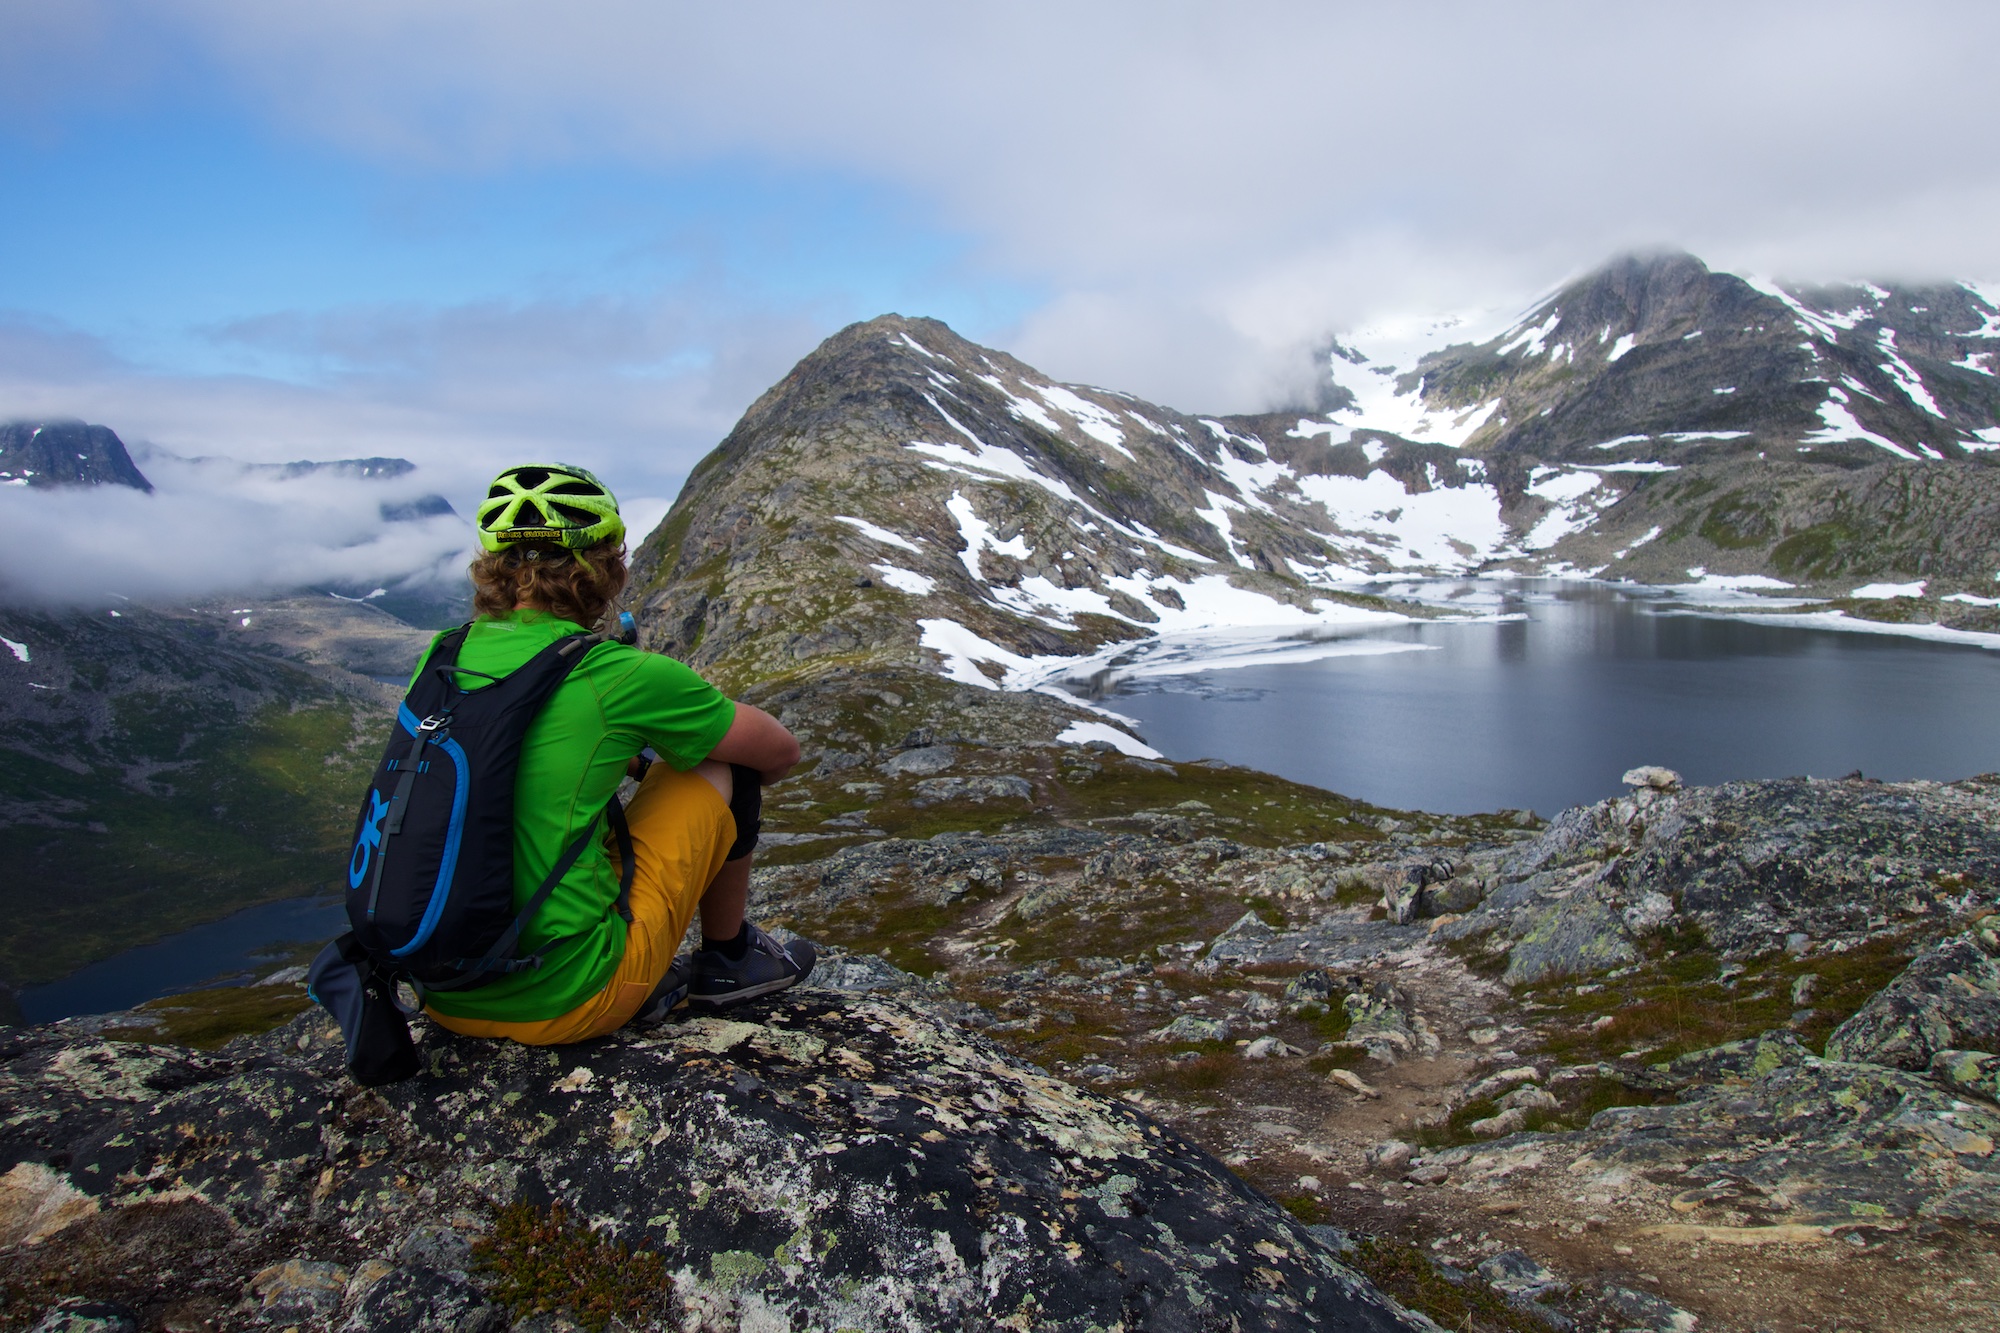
x=61, y=452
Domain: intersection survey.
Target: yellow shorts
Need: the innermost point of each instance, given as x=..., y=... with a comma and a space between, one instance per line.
x=681, y=832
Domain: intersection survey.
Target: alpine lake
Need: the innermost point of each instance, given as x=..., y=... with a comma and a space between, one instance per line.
x=1553, y=689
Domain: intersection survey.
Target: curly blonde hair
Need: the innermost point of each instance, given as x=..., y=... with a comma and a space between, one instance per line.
x=577, y=586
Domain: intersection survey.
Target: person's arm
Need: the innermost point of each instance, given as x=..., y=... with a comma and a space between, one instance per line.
x=758, y=740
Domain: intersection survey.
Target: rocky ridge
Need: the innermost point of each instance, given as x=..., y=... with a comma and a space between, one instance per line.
x=65, y=453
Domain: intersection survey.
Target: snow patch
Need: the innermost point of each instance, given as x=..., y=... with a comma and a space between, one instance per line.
x=1091, y=419
x=1626, y=342
x=1734, y=582
x=20, y=650
x=977, y=534
x=1531, y=339
x=882, y=535
x=1082, y=733
x=1650, y=534
x=1413, y=530
x=1875, y=592
x=1905, y=376
x=1841, y=425
x=905, y=580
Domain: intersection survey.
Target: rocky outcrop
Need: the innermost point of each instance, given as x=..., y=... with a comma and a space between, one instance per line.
x=1765, y=1134
x=1754, y=866
x=825, y=1161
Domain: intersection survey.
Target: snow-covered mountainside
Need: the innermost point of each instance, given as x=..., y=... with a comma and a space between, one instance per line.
x=904, y=495
x=1649, y=366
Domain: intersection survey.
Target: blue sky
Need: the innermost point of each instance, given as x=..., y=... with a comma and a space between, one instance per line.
x=161, y=231
x=466, y=230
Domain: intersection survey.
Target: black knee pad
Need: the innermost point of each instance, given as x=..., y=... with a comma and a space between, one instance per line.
x=746, y=802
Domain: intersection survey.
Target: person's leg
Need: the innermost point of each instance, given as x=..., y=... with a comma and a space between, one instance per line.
x=728, y=894
x=737, y=961
x=681, y=832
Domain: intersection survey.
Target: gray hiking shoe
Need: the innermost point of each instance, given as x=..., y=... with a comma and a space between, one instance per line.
x=669, y=994
x=766, y=968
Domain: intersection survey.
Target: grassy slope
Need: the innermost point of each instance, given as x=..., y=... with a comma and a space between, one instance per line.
x=178, y=783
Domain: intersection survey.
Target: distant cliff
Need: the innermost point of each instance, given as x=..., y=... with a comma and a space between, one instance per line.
x=66, y=453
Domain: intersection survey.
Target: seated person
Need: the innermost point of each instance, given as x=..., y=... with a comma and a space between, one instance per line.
x=553, y=563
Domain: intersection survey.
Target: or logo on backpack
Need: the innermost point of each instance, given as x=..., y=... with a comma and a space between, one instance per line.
x=430, y=879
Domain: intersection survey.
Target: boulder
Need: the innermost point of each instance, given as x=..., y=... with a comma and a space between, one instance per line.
x=1976, y=1072
x=1784, y=1136
x=979, y=790
x=825, y=1160
x=85, y=1316
x=923, y=762
x=1947, y=998
x=1379, y=1021
x=1193, y=1027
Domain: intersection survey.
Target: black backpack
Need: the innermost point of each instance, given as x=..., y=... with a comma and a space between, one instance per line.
x=430, y=879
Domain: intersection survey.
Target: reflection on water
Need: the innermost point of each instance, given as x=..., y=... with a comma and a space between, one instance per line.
x=241, y=947
x=1547, y=710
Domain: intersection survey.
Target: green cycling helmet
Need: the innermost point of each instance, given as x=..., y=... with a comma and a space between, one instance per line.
x=548, y=502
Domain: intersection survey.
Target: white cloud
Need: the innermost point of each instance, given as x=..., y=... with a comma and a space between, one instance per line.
x=638, y=390
x=213, y=526
x=1202, y=189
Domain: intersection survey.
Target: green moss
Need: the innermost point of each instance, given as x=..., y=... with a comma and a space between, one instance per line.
x=1595, y=1095
x=1402, y=1270
x=205, y=1019
x=1735, y=522
x=252, y=810
x=541, y=1262
x=1678, y=1001
x=1306, y=1207
x=1815, y=552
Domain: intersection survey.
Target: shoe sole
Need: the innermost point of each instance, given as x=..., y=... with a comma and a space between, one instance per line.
x=658, y=1012
x=713, y=1003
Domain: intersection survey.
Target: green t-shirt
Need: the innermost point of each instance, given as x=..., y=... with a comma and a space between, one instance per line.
x=614, y=703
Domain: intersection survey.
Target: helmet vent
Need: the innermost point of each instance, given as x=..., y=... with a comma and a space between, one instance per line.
x=529, y=516
x=573, y=488
x=531, y=477
x=582, y=518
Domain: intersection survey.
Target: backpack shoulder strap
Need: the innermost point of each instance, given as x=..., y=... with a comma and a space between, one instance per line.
x=628, y=864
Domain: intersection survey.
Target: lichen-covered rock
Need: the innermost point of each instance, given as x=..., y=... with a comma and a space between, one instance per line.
x=1798, y=1139
x=992, y=787
x=1752, y=865
x=297, y=1290
x=424, y=1300
x=1948, y=997
x=1976, y=1072
x=1193, y=1027
x=84, y=1316
x=827, y=1160
x=1381, y=1021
